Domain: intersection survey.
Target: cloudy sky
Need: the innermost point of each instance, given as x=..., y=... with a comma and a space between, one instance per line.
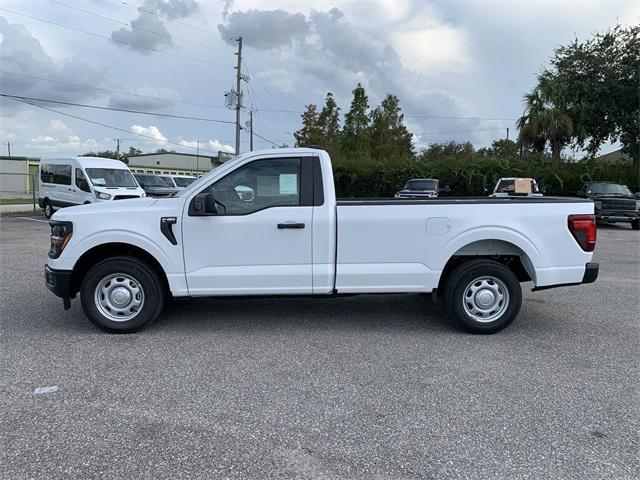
x=459, y=67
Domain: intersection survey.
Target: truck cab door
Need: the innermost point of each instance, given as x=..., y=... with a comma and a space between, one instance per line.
x=259, y=241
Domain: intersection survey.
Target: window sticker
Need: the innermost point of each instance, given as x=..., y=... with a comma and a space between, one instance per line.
x=288, y=184
x=99, y=181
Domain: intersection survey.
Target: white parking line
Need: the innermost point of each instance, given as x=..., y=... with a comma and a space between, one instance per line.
x=34, y=219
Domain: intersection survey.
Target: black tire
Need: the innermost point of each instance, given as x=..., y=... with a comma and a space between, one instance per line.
x=478, y=274
x=48, y=209
x=144, y=277
x=635, y=224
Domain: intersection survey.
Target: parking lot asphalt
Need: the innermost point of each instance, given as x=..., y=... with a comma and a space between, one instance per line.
x=363, y=387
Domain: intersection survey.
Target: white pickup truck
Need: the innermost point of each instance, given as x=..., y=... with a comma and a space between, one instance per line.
x=268, y=223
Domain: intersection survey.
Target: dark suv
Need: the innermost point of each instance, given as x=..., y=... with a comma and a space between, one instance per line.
x=614, y=202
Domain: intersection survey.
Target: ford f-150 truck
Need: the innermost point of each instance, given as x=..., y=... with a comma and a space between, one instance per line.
x=268, y=223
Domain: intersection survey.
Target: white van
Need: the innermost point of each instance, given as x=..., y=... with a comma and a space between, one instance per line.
x=65, y=182
x=180, y=182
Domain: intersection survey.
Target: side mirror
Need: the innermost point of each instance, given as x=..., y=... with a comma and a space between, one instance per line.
x=203, y=205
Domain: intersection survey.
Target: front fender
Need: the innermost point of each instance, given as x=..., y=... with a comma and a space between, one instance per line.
x=74, y=251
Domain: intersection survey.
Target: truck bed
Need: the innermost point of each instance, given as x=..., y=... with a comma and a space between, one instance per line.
x=458, y=200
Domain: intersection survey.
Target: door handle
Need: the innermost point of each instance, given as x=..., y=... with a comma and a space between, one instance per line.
x=291, y=225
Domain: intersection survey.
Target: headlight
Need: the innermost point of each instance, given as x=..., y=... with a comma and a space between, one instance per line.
x=598, y=204
x=60, y=235
x=103, y=196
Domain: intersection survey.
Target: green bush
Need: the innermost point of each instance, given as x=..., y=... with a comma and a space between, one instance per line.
x=470, y=175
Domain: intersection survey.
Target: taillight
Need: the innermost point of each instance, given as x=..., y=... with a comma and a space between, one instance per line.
x=583, y=229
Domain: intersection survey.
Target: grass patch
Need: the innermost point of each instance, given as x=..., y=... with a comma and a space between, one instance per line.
x=16, y=201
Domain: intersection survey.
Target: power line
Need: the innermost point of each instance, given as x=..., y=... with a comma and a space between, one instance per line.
x=265, y=139
x=106, y=125
x=134, y=45
x=153, y=32
x=125, y=110
x=108, y=90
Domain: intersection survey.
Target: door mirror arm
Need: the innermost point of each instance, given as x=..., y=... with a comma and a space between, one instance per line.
x=203, y=205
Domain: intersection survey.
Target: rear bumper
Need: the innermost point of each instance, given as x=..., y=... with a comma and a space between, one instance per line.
x=590, y=275
x=60, y=283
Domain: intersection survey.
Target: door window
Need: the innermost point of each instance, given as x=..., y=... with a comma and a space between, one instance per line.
x=81, y=181
x=259, y=185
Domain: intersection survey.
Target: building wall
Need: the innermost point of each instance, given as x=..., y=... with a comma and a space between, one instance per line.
x=14, y=176
x=171, y=163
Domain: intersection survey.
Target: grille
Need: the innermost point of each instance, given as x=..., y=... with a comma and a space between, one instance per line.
x=618, y=204
x=124, y=197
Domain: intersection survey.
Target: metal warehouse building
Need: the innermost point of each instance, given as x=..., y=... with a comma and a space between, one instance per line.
x=176, y=163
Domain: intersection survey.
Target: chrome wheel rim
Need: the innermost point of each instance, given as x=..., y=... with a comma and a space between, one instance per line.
x=119, y=297
x=485, y=299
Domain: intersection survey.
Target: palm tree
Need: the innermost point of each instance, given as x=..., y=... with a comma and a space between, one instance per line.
x=544, y=122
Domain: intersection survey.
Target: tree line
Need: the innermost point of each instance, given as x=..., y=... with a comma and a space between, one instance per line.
x=587, y=96
x=376, y=134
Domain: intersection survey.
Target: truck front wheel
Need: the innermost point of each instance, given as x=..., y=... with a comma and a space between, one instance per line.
x=122, y=295
x=635, y=224
x=484, y=296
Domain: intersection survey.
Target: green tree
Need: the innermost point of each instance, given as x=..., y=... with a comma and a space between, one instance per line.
x=329, y=123
x=544, y=121
x=500, y=148
x=597, y=84
x=438, y=151
x=388, y=135
x=310, y=133
x=355, y=134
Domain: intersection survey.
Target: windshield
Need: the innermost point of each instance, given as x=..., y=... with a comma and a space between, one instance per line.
x=152, y=181
x=508, y=185
x=608, y=189
x=111, y=177
x=184, y=181
x=167, y=181
x=421, y=185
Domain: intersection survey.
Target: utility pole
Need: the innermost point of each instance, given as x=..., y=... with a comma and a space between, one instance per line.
x=251, y=130
x=9, y=148
x=507, y=133
x=238, y=93
x=118, y=148
x=197, y=157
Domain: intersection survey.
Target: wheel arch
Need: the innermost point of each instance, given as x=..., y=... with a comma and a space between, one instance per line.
x=505, y=252
x=104, y=251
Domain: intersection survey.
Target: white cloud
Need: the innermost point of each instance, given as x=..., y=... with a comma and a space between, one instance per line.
x=214, y=145
x=443, y=49
x=150, y=131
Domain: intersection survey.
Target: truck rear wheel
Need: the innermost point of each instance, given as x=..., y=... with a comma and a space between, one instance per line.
x=122, y=295
x=484, y=296
x=635, y=224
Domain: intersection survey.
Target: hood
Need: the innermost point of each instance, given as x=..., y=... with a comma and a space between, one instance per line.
x=102, y=208
x=600, y=196
x=417, y=191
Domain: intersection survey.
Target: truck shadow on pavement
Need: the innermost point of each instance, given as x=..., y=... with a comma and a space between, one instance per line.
x=405, y=312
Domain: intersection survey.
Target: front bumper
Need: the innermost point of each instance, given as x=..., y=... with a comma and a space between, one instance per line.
x=60, y=283
x=591, y=271
x=613, y=216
